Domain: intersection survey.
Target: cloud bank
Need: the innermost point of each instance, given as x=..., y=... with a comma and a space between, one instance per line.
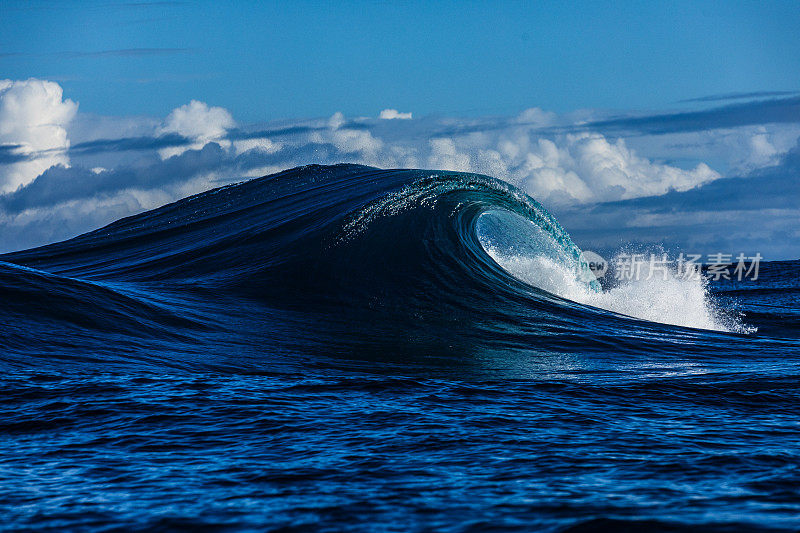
x=644, y=184
x=33, y=120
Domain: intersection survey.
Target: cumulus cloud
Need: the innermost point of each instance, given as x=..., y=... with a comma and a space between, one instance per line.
x=263, y=144
x=198, y=122
x=445, y=156
x=590, y=168
x=566, y=169
x=33, y=120
x=392, y=114
x=356, y=144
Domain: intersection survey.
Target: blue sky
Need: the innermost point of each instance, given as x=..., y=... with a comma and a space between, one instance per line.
x=674, y=125
x=266, y=60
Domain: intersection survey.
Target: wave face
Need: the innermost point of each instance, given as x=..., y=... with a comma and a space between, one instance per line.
x=407, y=305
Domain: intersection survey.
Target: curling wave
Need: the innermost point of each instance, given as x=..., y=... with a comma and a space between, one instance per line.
x=343, y=260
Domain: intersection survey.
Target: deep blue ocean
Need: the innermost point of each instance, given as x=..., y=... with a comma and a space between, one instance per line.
x=347, y=348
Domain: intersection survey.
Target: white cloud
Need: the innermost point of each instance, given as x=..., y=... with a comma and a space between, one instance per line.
x=564, y=169
x=390, y=114
x=33, y=116
x=260, y=143
x=535, y=116
x=336, y=121
x=732, y=151
x=355, y=145
x=588, y=167
x=198, y=122
x=445, y=156
x=758, y=146
x=614, y=172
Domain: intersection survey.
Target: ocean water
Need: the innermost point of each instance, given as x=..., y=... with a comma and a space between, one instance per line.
x=347, y=348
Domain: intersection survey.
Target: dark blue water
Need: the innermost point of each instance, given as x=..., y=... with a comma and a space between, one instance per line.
x=349, y=348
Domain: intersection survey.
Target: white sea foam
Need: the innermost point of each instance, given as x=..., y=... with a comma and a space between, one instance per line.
x=679, y=301
x=663, y=297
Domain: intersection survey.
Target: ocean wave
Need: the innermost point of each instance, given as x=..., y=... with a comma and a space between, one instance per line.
x=344, y=259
